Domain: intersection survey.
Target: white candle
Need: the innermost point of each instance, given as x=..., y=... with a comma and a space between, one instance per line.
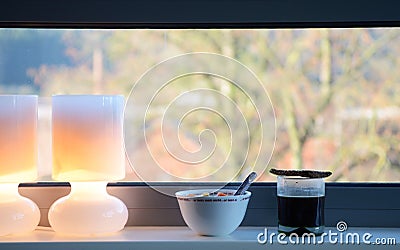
x=18, y=138
x=88, y=137
x=18, y=160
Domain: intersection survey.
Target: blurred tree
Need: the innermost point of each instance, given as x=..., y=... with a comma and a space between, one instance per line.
x=317, y=80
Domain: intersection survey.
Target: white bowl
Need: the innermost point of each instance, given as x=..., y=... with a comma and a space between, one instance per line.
x=212, y=215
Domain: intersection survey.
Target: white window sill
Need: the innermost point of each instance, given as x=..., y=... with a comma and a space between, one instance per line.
x=180, y=238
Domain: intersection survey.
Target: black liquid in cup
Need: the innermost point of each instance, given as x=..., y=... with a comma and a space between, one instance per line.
x=301, y=204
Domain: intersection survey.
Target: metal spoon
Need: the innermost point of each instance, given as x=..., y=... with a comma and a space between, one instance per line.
x=246, y=183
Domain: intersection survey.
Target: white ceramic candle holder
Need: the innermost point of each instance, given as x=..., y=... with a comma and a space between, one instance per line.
x=88, y=152
x=18, y=159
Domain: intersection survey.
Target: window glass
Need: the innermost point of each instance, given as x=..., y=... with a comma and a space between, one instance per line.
x=335, y=95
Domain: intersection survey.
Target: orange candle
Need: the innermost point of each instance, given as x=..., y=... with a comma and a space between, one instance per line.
x=18, y=158
x=88, y=138
x=18, y=138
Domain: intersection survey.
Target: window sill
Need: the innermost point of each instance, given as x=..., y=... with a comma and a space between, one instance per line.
x=179, y=238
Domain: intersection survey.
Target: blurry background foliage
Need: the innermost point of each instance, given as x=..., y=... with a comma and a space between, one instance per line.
x=336, y=92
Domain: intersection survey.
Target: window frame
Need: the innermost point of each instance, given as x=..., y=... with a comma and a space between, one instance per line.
x=199, y=14
x=345, y=201
x=358, y=204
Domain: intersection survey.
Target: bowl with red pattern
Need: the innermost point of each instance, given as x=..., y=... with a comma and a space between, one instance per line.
x=212, y=213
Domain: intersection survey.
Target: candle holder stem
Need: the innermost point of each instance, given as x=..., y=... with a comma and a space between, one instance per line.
x=88, y=209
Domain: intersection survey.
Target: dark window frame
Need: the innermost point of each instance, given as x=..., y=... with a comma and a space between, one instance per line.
x=200, y=13
x=358, y=204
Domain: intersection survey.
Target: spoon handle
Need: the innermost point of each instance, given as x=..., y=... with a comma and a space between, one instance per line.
x=246, y=183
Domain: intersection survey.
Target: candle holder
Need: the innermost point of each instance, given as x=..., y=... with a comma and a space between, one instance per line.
x=18, y=158
x=88, y=152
